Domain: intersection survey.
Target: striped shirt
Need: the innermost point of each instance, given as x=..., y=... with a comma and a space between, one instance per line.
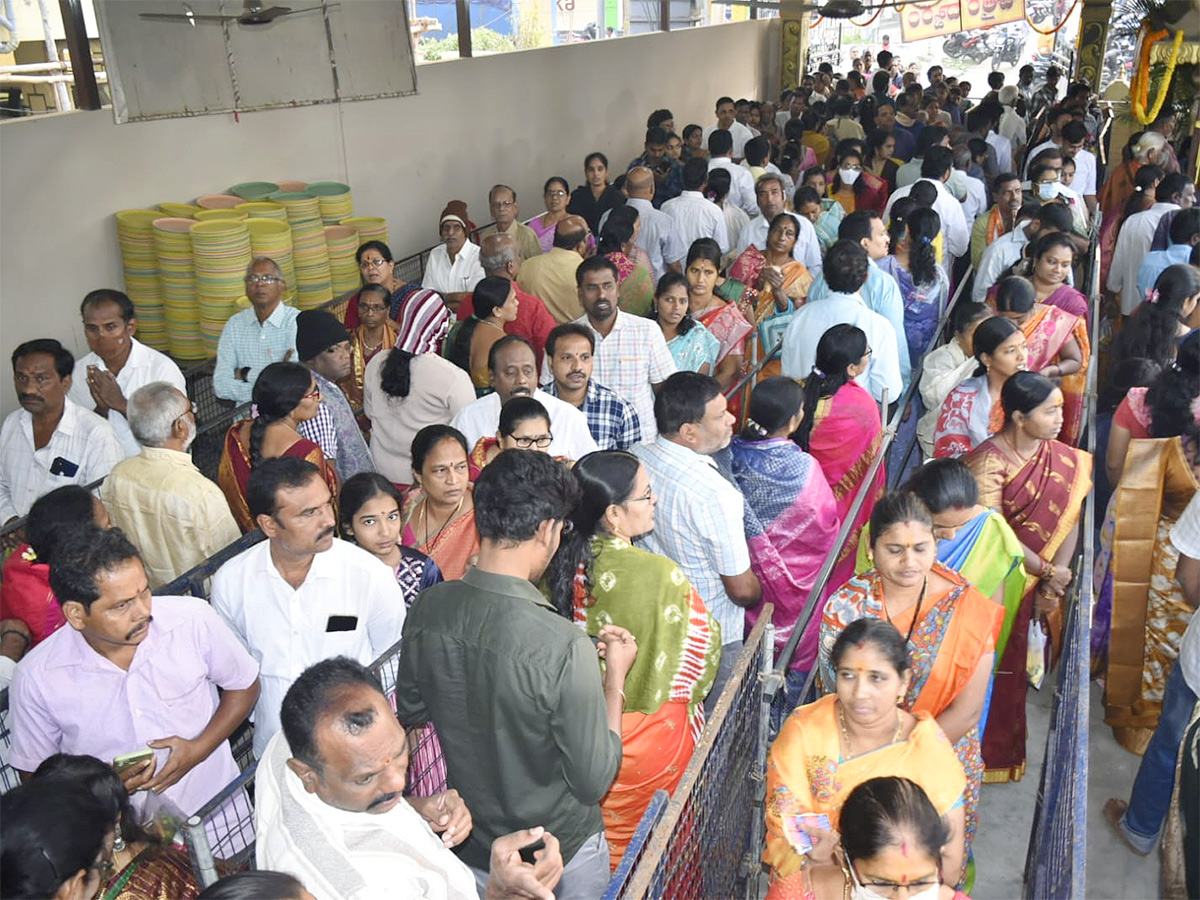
x=423, y=318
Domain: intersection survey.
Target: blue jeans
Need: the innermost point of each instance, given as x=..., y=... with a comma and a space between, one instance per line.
x=1151, y=795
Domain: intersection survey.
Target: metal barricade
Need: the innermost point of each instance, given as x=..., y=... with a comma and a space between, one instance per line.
x=9, y=778
x=636, y=848
x=708, y=841
x=195, y=582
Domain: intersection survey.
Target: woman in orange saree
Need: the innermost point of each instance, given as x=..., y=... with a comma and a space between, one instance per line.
x=951, y=629
x=374, y=332
x=1057, y=344
x=439, y=517
x=827, y=748
x=1144, y=148
x=598, y=577
x=285, y=395
x=721, y=317
x=842, y=430
x=1038, y=484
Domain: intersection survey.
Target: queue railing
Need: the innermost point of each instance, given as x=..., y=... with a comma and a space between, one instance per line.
x=9, y=778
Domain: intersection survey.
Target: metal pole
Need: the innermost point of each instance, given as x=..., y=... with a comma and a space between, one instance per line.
x=664, y=15
x=87, y=93
x=61, y=94
x=464, y=28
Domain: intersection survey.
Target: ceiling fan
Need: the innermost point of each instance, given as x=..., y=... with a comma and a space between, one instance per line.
x=850, y=9
x=253, y=14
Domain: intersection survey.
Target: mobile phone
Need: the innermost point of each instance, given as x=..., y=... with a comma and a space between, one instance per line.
x=61, y=466
x=529, y=849
x=126, y=761
x=595, y=640
x=799, y=839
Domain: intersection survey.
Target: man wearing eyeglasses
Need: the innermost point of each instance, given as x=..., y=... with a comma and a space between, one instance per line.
x=502, y=204
x=159, y=498
x=254, y=338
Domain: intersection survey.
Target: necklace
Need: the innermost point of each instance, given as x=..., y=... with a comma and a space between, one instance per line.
x=916, y=612
x=493, y=324
x=846, y=732
x=1013, y=447
x=445, y=525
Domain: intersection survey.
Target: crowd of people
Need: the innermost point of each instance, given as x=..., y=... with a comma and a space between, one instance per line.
x=563, y=477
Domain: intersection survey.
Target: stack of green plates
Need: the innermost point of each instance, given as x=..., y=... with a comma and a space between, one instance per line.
x=337, y=202
x=263, y=209
x=207, y=215
x=222, y=253
x=314, y=284
x=177, y=275
x=180, y=210
x=370, y=228
x=254, y=190
x=135, y=235
x=273, y=239
x=342, y=242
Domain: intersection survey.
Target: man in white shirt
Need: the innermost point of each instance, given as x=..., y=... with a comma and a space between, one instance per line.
x=1071, y=139
x=512, y=371
x=50, y=441
x=936, y=169
x=793, y=110
x=1055, y=120
x=846, y=268
x=741, y=186
x=696, y=216
x=330, y=806
x=1003, y=252
x=727, y=121
x=770, y=201
x=302, y=595
x=657, y=234
x=1133, y=243
x=453, y=268
x=976, y=203
x=1140, y=821
x=118, y=363
x=1012, y=124
x=931, y=136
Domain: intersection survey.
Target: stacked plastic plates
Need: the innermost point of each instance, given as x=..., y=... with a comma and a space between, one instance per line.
x=342, y=242
x=370, y=228
x=179, y=210
x=336, y=201
x=206, y=215
x=263, y=209
x=218, y=201
x=273, y=239
x=314, y=284
x=135, y=235
x=292, y=187
x=222, y=253
x=177, y=275
x=254, y=190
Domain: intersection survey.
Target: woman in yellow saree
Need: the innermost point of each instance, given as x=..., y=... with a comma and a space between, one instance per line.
x=374, y=332
x=1038, y=484
x=825, y=749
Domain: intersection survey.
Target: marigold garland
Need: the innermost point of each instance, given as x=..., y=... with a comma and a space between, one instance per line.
x=1140, y=94
x=1064, y=21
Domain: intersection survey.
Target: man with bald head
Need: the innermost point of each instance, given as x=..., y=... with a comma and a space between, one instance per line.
x=500, y=255
x=551, y=276
x=658, y=234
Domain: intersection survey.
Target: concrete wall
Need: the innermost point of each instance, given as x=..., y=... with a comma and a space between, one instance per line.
x=517, y=118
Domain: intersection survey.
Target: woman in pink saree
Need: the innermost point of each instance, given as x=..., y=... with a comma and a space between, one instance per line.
x=842, y=430
x=791, y=517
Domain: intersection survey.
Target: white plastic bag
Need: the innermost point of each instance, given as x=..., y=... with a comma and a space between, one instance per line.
x=1035, y=655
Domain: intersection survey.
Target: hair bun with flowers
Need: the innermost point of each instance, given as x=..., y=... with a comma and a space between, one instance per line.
x=1152, y=295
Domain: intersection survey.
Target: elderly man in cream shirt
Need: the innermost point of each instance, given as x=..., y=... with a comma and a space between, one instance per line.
x=176, y=516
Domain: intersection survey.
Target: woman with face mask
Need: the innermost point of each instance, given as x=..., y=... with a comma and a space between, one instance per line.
x=860, y=731
x=853, y=185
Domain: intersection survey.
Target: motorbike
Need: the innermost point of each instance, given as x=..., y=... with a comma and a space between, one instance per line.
x=978, y=46
x=1007, y=48
x=953, y=45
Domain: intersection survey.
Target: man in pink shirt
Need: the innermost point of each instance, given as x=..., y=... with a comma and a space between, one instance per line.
x=119, y=679
x=498, y=255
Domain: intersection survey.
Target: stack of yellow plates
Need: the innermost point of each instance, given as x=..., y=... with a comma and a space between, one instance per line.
x=314, y=284
x=342, y=242
x=206, y=215
x=222, y=253
x=337, y=202
x=263, y=209
x=254, y=190
x=135, y=235
x=177, y=275
x=273, y=239
x=180, y=210
x=370, y=228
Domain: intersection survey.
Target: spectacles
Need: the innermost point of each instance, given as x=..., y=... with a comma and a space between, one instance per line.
x=556, y=193
x=362, y=307
x=372, y=263
x=852, y=168
x=542, y=441
x=645, y=498
x=194, y=409
x=314, y=394
x=263, y=279
x=503, y=204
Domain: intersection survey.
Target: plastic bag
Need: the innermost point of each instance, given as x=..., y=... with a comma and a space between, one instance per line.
x=1035, y=655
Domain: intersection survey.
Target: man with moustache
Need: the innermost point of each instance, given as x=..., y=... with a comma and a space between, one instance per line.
x=338, y=771
x=570, y=350
x=302, y=595
x=513, y=372
x=502, y=203
x=130, y=672
x=50, y=441
x=768, y=191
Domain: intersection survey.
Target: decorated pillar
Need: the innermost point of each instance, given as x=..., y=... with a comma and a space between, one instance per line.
x=1093, y=37
x=794, y=43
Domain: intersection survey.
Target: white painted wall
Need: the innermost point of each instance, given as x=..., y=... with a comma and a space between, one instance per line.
x=516, y=117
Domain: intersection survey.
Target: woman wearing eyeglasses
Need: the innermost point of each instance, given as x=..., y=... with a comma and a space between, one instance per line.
x=285, y=395
x=421, y=316
x=597, y=578
x=375, y=332
x=524, y=425
x=556, y=193
x=439, y=517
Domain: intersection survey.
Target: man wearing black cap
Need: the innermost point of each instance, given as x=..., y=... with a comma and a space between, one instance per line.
x=323, y=345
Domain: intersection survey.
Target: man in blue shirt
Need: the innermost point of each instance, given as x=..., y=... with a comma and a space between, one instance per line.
x=254, y=338
x=1185, y=234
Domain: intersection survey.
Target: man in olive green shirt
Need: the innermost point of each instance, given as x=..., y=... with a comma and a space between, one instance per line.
x=530, y=729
